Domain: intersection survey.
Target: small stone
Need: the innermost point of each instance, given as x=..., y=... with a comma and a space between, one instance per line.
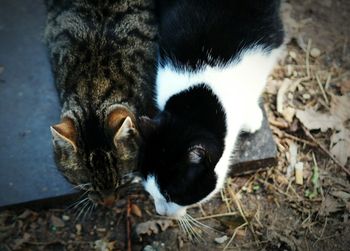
x=65, y=217
x=221, y=239
x=290, y=95
x=306, y=96
x=78, y=228
x=293, y=55
x=315, y=52
x=102, y=229
x=289, y=70
x=149, y=248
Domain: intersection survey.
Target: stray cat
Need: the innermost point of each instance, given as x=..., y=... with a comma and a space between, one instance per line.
x=214, y=59
x=103, y=56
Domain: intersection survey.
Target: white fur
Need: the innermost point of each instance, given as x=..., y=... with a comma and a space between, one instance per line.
x=238, y=86
x=162, y=206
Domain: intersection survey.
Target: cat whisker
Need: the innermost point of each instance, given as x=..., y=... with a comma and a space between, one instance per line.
x=76, y=203
x=199, y=224
x=81, y=210
x=193, y=231
x=82, y=186
x=87, y=210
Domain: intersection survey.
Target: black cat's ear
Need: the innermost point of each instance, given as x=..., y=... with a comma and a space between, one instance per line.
x=197, y=154
x=65, y=132
x=147, y=126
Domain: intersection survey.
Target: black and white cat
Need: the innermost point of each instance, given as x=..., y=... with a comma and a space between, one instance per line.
x=214, y=59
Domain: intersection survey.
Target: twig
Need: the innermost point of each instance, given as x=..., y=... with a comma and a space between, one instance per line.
x=128, y=225
x=326, y=151
x=308, y=58
x=289, y=136
x=234, y=235
x=216, y=216
x=322, y=89
x=45, y=243
x=322, y=232
x=241, y=211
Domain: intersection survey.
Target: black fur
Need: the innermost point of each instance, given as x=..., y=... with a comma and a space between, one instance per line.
x=190, y=30
x=179, y=128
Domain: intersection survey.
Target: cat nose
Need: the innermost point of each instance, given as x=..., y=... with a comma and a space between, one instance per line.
x=108, y=201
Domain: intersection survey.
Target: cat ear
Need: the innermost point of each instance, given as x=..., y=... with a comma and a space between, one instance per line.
x=196, y=154
x=147, y=126
x=126, y=130
x=120, y=121
x=65, y=132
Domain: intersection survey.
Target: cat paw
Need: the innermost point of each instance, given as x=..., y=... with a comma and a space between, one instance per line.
x=253, y=121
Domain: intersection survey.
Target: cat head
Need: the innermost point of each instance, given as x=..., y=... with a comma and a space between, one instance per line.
x=177, y=163
x=97, y=154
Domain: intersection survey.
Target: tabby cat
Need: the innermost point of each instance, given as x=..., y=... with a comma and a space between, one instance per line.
x=102, y=55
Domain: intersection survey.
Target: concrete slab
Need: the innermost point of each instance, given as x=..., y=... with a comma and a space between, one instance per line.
x=29, y=105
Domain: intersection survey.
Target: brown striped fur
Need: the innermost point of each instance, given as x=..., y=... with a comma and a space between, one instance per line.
x=103, y=59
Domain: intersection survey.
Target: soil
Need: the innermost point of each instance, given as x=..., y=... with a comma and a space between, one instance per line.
x=263, y=211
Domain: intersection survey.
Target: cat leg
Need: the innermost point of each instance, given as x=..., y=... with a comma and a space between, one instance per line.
x=253, y=119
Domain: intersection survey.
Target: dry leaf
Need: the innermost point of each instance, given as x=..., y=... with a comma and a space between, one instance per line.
x=152, y=227
x=57, y=222
x=330, y=205
x=341, y=194
x=25, y=214
x=314, y=120
x=345, y=86
x=19, y=242
x=340, y=107
x=104, y=245
x=135, y=210
x=340, y=145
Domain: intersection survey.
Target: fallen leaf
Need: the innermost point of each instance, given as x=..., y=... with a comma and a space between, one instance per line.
x=340, y=107
x=152, y=227
x=57, y=222
x=232, y=221
x=340, y=145
x=341, y=195
x=314, y=120
x=104, y=245
x=135, y=210
x=330, y=205
x=345, y=86
x=25, y=214
x=20, y=241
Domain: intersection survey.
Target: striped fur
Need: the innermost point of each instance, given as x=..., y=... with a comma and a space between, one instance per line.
x=102, y=54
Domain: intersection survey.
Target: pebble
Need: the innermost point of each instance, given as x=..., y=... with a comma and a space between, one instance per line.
x=293, y=55
x=315, y=52
x=65, y=217
x=78, y=227
x=290, y=95
x=221, y=239
x=306, y=96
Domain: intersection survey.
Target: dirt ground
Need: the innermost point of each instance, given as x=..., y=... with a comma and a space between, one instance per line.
x=302, y=203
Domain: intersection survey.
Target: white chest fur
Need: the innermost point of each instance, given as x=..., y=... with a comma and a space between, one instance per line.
x=238, y=86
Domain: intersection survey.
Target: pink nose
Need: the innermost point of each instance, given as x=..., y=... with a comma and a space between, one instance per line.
x=108, y=201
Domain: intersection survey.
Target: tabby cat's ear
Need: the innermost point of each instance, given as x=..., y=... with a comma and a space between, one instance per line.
x=120, y=120
x=65, y=132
